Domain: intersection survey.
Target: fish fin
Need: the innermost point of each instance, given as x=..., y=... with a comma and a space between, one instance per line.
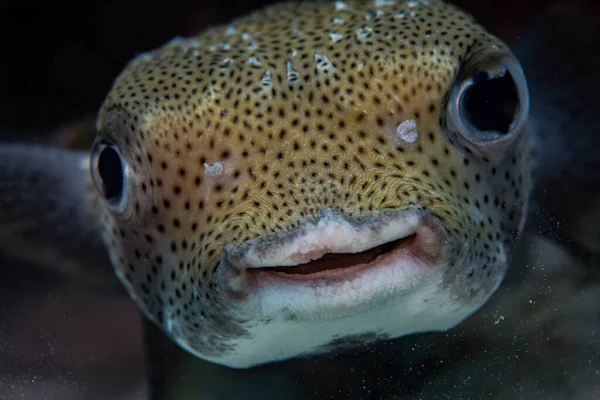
x=561, y=60
x=77, y=134
x=47, y=213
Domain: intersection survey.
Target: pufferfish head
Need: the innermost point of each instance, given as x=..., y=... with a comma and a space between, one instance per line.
x=314, y=174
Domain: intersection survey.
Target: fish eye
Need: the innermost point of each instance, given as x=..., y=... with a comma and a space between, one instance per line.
x=490, y=101
x=108, y=173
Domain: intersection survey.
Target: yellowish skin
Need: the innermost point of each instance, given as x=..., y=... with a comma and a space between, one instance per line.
x=281, y=119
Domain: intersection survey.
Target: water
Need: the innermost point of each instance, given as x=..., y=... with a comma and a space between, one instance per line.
x=538, y=337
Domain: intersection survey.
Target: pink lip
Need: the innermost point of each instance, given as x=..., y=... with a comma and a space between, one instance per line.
x=334, y=251
x=322, y=262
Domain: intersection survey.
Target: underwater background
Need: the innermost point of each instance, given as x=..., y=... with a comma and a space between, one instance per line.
x=62, y=56
x=59, y=340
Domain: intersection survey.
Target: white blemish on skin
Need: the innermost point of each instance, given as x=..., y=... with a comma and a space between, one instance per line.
x=246, y=36
x=399, y=15
x=407, y=131
x=252, y=46
x=224, y=46
x=294, y=53
x=337, y=20
x=340, y=5
x=381, y=3
x=412, y=4
x=215, y=169
x=335, y=36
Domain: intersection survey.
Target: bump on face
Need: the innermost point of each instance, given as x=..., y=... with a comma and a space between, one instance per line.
x=255, y=128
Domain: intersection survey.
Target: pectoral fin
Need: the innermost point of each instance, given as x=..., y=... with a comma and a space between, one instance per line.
x=562, y=63
x=49, y=214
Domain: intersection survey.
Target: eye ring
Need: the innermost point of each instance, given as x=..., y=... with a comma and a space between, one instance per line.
x=109, y=174
x=490, y=103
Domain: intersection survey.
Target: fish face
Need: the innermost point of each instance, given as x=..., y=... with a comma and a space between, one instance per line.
x=313, y=175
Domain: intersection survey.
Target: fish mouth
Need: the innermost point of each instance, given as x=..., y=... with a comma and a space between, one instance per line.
x=331, y=261
x=334, y=262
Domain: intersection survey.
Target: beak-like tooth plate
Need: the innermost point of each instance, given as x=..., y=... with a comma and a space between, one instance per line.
x=330, y=234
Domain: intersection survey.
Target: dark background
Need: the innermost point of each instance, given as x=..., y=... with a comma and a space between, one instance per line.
x=57, y=62
x=60, y=57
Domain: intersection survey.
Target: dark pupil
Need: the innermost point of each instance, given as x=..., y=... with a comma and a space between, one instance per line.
x=491, y=104
x=111, y=172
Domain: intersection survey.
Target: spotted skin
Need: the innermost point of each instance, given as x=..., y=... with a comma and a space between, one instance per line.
x=299, y=103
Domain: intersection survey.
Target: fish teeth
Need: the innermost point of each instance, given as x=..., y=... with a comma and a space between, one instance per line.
x=332, y=233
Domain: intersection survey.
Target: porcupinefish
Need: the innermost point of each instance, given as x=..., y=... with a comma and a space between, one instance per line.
x=308, y=175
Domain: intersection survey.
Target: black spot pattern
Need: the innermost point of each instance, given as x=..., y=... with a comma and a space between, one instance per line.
x=300, y=104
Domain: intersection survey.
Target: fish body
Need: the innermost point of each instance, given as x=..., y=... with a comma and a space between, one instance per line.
x=301, y=131
x=313, y=175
